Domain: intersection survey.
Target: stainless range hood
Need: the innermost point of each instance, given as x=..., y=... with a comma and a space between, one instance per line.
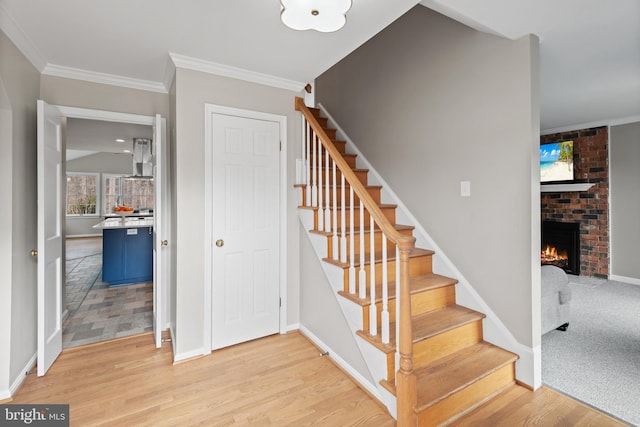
x=142, y=158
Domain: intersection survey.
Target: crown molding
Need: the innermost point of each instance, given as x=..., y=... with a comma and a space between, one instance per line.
x=169, y=73
x=234, y=72
x=103, y=78
x=599, y=123
x=11, y=28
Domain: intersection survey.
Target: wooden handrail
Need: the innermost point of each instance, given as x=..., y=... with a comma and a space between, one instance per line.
x=405, y=377
x=404, y=242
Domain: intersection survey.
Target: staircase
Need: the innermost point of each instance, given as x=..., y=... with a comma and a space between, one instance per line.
x=437, y=364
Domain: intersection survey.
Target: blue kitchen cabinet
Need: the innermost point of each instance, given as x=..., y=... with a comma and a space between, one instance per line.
x=127, y=255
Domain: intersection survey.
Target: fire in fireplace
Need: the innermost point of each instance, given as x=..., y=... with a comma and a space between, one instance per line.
x=561, y=245
x=550, y=255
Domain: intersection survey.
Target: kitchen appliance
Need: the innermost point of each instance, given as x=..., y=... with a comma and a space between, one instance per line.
x=142, y=157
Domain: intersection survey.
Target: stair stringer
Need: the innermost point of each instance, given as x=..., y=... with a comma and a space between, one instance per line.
x=374, y=359
x=528, y=366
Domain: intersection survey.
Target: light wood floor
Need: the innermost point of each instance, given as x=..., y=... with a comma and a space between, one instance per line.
x=277, y=381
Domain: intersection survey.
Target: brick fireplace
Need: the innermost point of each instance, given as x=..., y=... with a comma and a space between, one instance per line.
x=590, y=209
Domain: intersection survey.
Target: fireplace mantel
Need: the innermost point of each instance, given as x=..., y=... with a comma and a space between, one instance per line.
x=560, y=188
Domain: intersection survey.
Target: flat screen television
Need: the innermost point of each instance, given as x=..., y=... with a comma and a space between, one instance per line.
x=556, y=162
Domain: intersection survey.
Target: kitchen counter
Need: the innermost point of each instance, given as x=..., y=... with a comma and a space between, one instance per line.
x=126, y=222
x=127, y=250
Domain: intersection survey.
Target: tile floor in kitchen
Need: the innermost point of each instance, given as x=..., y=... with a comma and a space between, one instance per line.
x=96, y=311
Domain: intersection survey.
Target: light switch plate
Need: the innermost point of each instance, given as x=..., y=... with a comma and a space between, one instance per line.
x=465, y=188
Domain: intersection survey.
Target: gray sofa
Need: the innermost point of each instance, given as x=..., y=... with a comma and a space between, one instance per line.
x=556, y=295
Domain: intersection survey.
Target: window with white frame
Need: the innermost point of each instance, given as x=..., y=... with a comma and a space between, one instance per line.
x=111, y=191
x=83, y=192
x=138, y=192
x=120, y=190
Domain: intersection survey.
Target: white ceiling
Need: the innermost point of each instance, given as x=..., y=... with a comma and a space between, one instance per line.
x=85, y=137
x=589, y=55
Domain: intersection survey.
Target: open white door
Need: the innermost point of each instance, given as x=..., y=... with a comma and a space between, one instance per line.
x=160, y=215
x=49, y=235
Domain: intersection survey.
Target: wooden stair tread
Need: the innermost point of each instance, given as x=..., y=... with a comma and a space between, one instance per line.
x=426, y=325
x=416, y=285
x=415, y=252
x=435, y=322
x=452, y=373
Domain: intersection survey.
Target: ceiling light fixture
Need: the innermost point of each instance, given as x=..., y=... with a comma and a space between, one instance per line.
x=321, y=15
x=120, y=140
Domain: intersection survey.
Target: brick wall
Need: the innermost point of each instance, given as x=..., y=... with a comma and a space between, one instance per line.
x=589, y=208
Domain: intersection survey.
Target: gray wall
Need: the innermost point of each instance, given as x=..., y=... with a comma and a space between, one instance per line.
x=321, y=313
x=624, y=161
x=193, y=89
x=20, y=83
x=430, y=103
x=112, y=163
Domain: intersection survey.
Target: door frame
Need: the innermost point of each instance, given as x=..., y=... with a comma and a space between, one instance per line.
x=113, y=116
x=209, y=110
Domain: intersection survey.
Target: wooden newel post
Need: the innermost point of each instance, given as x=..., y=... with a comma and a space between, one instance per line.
x=405, y=378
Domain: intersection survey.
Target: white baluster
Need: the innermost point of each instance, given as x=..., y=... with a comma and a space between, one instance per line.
x=327, y=188
x=352, y=255
x=307, y=165
x=314, y=186
x=362, y=277
x=320, y=192
x=343, y=223
x=373, y=309
x=384, y=319
x=334, y=222
x=397, y=358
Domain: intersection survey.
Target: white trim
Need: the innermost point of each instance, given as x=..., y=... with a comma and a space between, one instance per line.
x=15, y=386
x=555, y=188
x=371, y=388
x=628, y=280
x=75, y=236
x=169, y=73
x=495, y=330
x=172, y=332
x=293, y=327
x=11, y=28
x=103, y=78
x=107, y=116
x=209, y=110
x=599, y=123
x=201, y=65
x=181, y=357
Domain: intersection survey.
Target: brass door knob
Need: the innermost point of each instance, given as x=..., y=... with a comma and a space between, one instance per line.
x=34, y=253
x=164, y=243
x=219, y=243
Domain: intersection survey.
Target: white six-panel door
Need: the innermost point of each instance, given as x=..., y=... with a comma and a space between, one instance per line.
x=245, y=229
x=49, y=235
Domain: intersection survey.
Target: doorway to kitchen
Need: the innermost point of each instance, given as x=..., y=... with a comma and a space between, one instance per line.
x=101, y=177
x=52, y=120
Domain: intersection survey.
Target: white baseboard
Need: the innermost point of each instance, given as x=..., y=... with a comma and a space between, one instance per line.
x=77, y=236
x=293, y=327
x=371, y=388
x=182, y=357
x=629, y=280
x=8, y=394
x=173, y=340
